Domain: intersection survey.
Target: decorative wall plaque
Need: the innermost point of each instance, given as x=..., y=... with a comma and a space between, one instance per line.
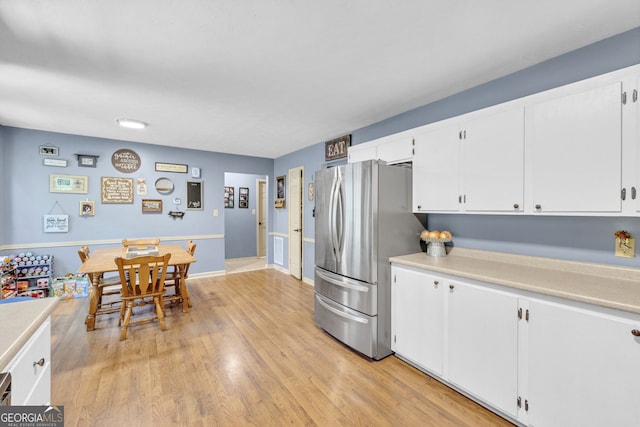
x=126, y=161
x=337, y=148
x=117, y=190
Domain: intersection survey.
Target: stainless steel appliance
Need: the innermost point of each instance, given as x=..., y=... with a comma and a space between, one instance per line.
x=362, y=217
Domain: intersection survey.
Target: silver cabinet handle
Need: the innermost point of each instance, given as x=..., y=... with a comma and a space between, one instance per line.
x=435, y=283
x=623, y=194
x=538, y=207
x=516, y=206
x=39, y=362
x=451, y=287
x=635, y=333
x=633, y=193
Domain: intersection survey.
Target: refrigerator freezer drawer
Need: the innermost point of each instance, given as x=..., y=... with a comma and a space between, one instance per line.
x=360, y=296
x=355, y=329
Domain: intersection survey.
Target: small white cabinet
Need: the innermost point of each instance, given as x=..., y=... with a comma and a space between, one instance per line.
x=416, y=328
x=583, y=367
x=31, y=369
x=436, y=167
x=392, y=149
x=482, y=337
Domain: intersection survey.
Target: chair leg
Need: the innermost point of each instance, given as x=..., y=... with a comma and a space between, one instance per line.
x=123, y=306
x=127, y=319
x=160, y=312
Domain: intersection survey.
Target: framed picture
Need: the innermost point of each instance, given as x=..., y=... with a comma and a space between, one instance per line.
x=152, y=205
x=117, y=190
x=46, y=150
x=194, y=196
x=228, y=197
x=87, y=160
x=243, y=199
x=281, y=192
x=171, y=167
x=87, y=208
x=68, y=184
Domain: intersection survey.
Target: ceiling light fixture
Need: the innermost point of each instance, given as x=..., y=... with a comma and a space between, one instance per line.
x=132, y=124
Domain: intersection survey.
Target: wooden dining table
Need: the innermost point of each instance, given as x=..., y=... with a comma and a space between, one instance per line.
x=103, y=261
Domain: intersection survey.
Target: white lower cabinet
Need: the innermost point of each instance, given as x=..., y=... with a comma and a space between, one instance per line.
x=584, y=367
x=416, y=330
x=31, y=369
x=540, y=361
x=482, y=338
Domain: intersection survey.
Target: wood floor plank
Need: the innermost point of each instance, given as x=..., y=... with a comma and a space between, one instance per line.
x=248, y=353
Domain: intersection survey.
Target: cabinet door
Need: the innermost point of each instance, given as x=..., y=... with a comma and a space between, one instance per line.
x=436, y=170
x=396, y=150
x=483, y=344
x=576, y=152
x=30, y=369
x=362, y=152
x=583, y=368
x=416, y=317
x=492, y=162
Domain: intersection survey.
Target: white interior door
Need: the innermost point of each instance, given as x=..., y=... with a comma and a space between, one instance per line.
x=261, y=218
x=295, y=222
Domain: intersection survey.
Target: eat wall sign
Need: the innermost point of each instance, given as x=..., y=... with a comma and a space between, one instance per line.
x=337, y=148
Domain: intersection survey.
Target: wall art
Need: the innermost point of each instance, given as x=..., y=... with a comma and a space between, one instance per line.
x=117, y=190
x=228, y=197
x=126, y=161
x=243, y=199
x=194, y=196
x=68, y=184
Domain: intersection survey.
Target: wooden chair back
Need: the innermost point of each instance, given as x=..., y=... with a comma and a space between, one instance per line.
x=191, y=248
x=83, y=253
x=135, y=242
x=143, y=276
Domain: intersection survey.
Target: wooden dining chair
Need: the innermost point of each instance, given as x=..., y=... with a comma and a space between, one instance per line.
x=142, y=280
x=174, y=278
x=104, y=286
x=140, y=242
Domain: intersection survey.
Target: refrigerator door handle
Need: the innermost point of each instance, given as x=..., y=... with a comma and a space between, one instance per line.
x=342, y=281
x=339, y=219
x=340, y=313
x=332, y=216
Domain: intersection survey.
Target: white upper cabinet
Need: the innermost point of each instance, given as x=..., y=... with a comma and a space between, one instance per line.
x=576, y=151
x=436, y=165
x=492, y=162
x=473, y=164
x=396, y=148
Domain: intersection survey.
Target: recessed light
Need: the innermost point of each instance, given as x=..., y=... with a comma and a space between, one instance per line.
x=132, y=124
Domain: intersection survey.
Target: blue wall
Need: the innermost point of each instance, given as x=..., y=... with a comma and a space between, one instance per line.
x=240, y=223
x=26, y=197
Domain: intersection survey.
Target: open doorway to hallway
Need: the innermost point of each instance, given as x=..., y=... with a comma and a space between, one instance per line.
x=245, y=222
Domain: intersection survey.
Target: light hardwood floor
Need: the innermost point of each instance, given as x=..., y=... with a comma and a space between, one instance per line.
x=248, y=353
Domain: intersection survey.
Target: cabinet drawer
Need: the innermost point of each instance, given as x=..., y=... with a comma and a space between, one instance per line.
x=26, y=372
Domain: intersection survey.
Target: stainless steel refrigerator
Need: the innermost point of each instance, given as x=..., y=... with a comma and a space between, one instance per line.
x=362, y=217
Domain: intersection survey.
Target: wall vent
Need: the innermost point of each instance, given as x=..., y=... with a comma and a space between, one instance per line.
x=278, y=250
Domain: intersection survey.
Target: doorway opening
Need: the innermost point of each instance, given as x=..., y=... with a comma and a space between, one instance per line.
x=245, y=222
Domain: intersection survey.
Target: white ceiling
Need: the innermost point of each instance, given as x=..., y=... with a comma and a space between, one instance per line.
x=268, y=77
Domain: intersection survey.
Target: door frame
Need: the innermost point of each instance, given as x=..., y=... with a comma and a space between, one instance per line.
x=300, y=209
x=259, y=214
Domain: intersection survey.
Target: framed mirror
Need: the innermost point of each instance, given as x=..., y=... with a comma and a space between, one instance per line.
x=164, y=185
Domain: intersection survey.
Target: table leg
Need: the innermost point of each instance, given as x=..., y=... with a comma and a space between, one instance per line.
x=93, y=304
x=186, y=300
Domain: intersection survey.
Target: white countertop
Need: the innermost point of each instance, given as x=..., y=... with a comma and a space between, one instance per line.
x=19, y=320
x=604, y=285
